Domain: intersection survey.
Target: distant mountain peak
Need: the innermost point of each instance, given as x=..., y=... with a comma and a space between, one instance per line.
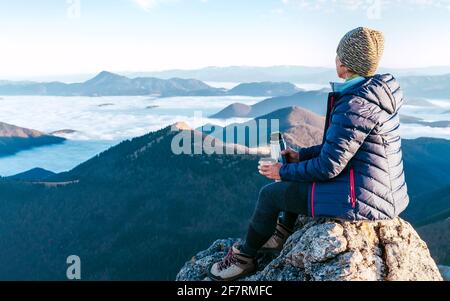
x=9, y=130
x=182, y=126
x=236, y=109
x=301, y=127
x=265, y=88
x=310, y=100
x=35, y=174
x=107, y=83
x=105, y=75
x=14, y=139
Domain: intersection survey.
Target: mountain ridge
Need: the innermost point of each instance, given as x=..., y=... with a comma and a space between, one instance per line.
x=436, y=86
x=110, y=84
x=290, y=73
x=116, y=191
x=14, y=139
x=33, y=175
x=121, y=200
x=301, y=128
x=310, y=100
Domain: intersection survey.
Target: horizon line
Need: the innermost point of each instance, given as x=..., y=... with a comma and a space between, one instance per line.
x=127, y=72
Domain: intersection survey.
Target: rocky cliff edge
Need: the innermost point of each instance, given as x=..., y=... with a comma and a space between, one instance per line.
x=333, y=250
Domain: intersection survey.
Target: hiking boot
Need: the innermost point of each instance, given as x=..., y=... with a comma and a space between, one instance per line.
x=233, y=266
x=276, y=242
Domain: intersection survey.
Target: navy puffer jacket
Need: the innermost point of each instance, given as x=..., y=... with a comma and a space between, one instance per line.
x=357, y=172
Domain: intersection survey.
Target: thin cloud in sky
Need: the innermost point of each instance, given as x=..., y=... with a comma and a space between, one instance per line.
x=373, y=8
x=189, y=34
x=365, y=4
x=147, y=5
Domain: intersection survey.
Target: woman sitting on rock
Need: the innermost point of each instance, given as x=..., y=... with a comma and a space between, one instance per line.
x=355, y=174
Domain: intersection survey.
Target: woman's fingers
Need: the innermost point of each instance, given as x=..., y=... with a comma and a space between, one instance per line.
x=286, y=152
x=265, y=168
x=269, y=176
x=270, y=171
x=265, y=173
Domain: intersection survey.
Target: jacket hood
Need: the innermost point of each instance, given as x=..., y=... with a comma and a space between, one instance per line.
x=382, y=90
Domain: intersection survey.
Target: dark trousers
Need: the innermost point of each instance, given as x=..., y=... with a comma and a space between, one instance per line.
x=282, y=201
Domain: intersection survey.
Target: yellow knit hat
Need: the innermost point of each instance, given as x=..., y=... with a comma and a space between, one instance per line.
x=361, y=50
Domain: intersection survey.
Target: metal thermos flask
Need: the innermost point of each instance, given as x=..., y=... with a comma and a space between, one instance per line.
x=277, y=145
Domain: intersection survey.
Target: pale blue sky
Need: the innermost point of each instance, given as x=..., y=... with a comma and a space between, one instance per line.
x=49, y=36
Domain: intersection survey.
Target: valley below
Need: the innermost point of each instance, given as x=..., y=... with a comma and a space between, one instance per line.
x=113, y=192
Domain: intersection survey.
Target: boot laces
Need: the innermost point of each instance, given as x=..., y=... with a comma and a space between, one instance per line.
x=279, y=234
x=228, y=260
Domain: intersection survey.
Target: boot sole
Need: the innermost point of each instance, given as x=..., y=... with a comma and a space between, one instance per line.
x=216, y=278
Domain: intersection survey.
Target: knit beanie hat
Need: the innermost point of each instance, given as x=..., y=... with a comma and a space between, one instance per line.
x=361, y=50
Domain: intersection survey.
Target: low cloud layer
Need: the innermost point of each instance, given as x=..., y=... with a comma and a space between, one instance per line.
x=109, y=118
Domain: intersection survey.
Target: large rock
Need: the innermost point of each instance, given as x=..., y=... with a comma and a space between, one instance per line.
x=326, y=249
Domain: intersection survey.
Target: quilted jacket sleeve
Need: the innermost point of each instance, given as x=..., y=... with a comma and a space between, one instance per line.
x=352, y=121
x=309, y=152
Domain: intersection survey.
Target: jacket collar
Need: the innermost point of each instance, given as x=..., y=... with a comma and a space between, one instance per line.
x=341, y=87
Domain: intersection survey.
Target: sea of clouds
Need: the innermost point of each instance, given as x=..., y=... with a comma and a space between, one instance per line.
x=101, y=122
x=111, y=118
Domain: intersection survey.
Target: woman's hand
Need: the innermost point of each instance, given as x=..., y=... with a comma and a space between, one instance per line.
x=271, y=172
x=291, y=155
